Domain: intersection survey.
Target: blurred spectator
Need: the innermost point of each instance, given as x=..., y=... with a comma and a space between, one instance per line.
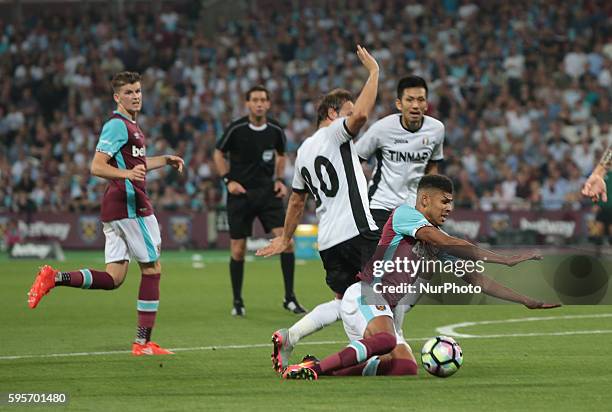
x=518, y=88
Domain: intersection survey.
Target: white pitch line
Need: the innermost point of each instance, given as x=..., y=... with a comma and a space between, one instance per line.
x=449, y=330
x=267, y=345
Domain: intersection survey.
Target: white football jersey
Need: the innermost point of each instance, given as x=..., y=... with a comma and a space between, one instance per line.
x=328, y=168
x=401, y=158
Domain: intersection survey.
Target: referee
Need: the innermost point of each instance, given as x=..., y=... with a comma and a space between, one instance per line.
x=255, y=146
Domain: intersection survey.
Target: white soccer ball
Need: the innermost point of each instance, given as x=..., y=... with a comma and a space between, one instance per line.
x=441, y=356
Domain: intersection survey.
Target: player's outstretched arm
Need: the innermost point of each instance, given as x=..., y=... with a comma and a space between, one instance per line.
x=466, y=250
x=101, y=168
x=156, y=162
x=497, y=290
x=295, y=210
x=367, y=97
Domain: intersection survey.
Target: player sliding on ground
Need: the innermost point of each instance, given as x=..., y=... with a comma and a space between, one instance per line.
x=130, y=227
x=376, y=347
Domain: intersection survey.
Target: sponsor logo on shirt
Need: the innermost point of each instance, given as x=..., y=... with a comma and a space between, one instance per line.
x=138, y=151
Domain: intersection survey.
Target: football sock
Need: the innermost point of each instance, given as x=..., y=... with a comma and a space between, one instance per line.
x=86, y=279
x=386, y=367
x=288, y=268
x=237, y=274
x=356, y=352
x=148, y=302
x=321, y=316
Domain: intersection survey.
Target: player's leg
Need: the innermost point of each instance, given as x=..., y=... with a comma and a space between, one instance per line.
x=340, y=274
x=400, y=361
x=342, y=263
x=144, y=243
x=370, y=329
x=240, y=220
x=116, y=256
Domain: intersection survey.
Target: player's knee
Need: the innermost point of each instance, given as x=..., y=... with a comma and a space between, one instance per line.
x=117, y=282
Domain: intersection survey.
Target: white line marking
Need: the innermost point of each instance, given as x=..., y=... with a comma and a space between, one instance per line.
x=443, y=330
x=449, y=330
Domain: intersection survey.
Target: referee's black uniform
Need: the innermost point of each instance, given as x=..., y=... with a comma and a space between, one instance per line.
x=252, y=152
x=252, y=155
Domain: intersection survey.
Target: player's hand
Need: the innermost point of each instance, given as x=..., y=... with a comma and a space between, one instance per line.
x=594, y=187
x=176, y=162
x=366, y=59
x=235, y=188
x=280, y=189
x=516, y=259
x=137, y=173
x=535, y=304
x=276, y=247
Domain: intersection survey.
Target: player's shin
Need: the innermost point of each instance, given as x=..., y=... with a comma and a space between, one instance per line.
x=148, y=302
x=85, y=279
x=321, y=316
x=357, y=352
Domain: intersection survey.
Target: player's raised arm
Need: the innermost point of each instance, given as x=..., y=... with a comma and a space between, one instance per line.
x=367, y=97
x=497, y=290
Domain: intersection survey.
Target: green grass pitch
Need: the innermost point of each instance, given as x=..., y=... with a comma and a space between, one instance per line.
x=224, y=363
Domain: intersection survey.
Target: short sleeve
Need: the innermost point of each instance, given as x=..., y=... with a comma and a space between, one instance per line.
x=438, y=153
x=407, y=221
x=339, y=132
x=298, y=185
x=114, y=135
x=281, y=142
x=367, y=144
x=223, y=144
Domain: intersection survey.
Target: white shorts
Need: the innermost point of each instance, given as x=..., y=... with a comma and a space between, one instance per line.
x=137, y=237
x=356, y=314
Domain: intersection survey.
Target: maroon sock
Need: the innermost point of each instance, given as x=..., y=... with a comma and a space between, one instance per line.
x=148, y=302
x=386, y=367
x=356, y=370
x=357, y=352
x=85, y=279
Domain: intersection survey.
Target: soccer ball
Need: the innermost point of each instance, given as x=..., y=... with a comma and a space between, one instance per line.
x=441, y=356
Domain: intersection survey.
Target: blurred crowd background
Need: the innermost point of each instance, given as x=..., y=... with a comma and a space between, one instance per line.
x=523, y=87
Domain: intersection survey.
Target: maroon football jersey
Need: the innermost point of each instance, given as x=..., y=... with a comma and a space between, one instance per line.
x=122, y=139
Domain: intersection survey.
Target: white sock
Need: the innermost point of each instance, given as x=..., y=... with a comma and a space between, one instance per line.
x=321, y=316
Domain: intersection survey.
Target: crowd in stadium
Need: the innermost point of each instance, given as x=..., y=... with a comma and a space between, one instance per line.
x=523, y=88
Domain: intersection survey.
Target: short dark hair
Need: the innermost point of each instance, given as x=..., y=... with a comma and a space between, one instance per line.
x=440, y=182
x=332, y=100
x=408, y=82
x=258, y=88
x=122, y=78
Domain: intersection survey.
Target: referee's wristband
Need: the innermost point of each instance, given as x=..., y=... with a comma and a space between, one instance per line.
x=225, y=178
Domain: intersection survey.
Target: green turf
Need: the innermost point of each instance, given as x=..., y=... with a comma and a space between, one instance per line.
x=568, y=372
